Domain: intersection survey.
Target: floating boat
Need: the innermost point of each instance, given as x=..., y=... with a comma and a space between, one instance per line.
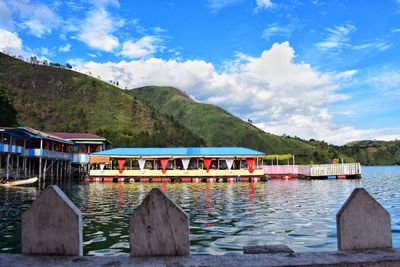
x=20, y=182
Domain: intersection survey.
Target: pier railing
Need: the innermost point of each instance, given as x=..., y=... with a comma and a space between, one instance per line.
x=318, y=170
x=335, y=169
x=45, y=153
x=81, y=158
x=6, y=148
x=287, y=169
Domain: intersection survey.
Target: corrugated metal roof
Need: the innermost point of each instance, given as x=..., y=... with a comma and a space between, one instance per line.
x=42, y=135
x=181, y=151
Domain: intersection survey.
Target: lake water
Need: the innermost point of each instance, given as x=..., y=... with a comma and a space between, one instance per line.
x=223, y=217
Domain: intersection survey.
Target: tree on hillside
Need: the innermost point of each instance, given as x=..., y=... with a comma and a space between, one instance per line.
x=8, y=114
x=34, y=60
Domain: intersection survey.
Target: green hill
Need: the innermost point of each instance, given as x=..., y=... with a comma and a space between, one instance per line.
x=370, y=152
x=55, y=99
x=220, y=128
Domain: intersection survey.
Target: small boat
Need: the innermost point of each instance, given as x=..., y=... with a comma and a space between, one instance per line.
x=20, y=182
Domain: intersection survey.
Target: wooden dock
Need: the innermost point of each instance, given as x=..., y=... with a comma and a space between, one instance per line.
x=319, y=171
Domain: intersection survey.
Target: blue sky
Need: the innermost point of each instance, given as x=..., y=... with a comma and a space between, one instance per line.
x=314, y=69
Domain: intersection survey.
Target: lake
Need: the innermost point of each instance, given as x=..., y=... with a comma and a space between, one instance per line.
x=223, y=217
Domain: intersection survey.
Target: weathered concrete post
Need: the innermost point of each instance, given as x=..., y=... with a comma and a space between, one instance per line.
x=159, y=227
x=362, y=223
x=52, y=225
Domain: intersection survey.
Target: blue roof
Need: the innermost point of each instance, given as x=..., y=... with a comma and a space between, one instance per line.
x=181, y=151
x=26, y=132
x=42, y=135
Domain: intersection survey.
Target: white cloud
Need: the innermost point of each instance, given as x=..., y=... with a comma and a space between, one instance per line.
x=338, y=37
x=12, y=44
x=44, y=51
x=158, y=29
x=77, y=61
x=97, y=30
x=387, y=82
x=279, y=95
x=104, y=3
x=277, y=30
x=377, y=44
x=5, y=16
x=145, y=46
x=9, y=40
x=36, y=27
x=263, y=4
x=65, y=48
x=216, y=5
x=37, y=18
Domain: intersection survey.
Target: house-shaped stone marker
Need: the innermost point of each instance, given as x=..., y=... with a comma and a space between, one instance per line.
x=159, y=227
x=362, y=223
x=52, y=225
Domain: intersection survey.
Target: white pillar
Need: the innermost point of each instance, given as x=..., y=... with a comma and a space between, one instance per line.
x=44, y=169
x=40, y=168
x=40, y=159
x=17, y=174
x=58, y=169
x=8, y=166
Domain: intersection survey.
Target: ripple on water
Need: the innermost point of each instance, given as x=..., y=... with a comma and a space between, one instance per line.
x=223, y=217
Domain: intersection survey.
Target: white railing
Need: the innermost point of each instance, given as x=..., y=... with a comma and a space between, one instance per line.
x=37, y=152
x=314, y=170
x=80, y=158
x=6, y=148
x=335, y=169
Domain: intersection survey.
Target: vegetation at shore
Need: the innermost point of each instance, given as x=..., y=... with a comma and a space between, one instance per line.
x=372, y=152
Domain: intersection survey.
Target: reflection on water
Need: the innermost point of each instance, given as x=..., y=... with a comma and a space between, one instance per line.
x=223, y=217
